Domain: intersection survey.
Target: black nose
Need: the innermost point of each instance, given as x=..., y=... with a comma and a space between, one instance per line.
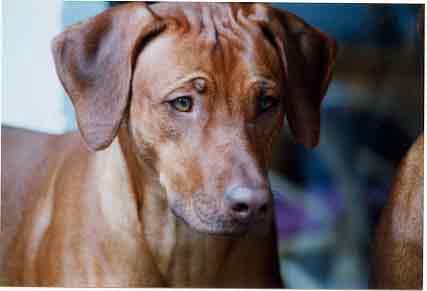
x=246, y=203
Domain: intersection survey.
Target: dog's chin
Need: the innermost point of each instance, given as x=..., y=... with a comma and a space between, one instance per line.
x=215, y=228
x=220, y=227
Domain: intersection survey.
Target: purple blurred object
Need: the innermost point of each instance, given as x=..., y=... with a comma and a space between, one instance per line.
x=290, y=219
x=330, y=197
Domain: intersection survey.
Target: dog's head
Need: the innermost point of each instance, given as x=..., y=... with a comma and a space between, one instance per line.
x=202, y=90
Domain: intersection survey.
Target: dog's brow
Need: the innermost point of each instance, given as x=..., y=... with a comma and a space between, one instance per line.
x=265, y=82
x=184, y=80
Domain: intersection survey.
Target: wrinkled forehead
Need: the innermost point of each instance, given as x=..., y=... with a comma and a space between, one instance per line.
x=217, y=39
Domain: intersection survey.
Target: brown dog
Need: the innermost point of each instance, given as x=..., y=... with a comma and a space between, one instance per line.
x=398, y=246
x=184, y=100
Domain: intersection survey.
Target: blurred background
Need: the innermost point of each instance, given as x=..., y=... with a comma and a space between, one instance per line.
x=328, y=199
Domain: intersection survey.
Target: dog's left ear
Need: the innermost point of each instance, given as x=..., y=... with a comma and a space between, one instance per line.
x=308, y=58
x=94, y=60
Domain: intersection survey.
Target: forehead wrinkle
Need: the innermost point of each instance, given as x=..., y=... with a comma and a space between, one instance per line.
x=214, y=20
x=183, y=80
x=192, y=16
x=265, y=82
x=200, y=17
x=209, y=33
x=239, y=29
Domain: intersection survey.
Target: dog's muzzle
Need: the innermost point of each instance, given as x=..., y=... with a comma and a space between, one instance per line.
x=239, y=210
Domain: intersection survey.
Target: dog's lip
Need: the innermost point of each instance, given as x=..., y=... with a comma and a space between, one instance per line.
x=238, y=229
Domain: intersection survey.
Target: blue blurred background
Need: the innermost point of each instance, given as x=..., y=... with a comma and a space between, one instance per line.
x=328, y=199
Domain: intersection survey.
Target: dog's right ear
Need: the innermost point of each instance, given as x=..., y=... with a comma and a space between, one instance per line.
x=94, y=60
x=308, y=58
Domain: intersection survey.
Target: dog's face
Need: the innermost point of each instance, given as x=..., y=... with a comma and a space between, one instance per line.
x=208, y=85
x=208, y=113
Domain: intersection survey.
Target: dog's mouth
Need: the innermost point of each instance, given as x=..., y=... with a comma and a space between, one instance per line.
x=224, y=227
x=209, y=216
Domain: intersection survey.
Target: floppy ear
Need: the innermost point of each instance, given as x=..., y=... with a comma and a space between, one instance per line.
x=94, y=60
x=308, y=58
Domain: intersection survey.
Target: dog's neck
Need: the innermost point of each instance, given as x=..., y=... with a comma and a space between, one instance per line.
x=183, y=256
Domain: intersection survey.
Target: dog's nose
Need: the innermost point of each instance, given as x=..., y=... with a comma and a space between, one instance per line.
x=246, y=203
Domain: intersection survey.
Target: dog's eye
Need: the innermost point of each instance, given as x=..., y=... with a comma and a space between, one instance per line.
x=182, y=104
x=265, y=103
